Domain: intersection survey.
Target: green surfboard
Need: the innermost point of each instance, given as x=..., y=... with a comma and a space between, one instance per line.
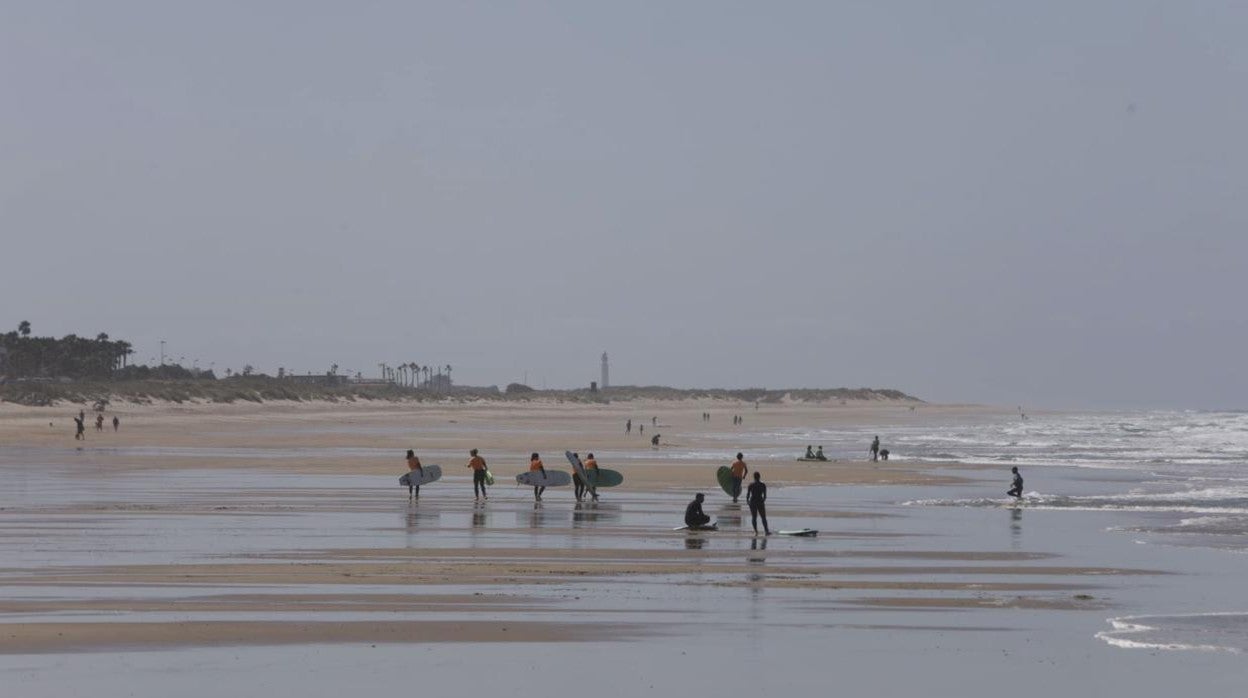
x=724, y=475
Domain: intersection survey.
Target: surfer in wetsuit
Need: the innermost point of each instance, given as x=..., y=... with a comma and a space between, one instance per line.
x=738, y=474
x=477, y=463
x=81, y=431
x=415, y=472
x=590, y=464
x=810, y=454
x=694, y=516
x=1016, y=489
x=875, y=449
x=819, y=454
x=535, y=465
x=756, y=497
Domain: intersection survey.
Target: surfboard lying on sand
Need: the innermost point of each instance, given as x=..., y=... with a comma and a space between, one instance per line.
x=724, y=476
x=808, y=532
x=552, y=478
x=594, y=477
x=813, y=460
x=707, y=527
x=424, y=476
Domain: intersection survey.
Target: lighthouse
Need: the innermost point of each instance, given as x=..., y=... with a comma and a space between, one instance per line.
x=604, y=383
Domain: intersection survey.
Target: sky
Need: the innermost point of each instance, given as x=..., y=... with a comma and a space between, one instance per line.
x=1038, y=204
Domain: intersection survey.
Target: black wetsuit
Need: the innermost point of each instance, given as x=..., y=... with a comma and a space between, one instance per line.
x=1017, y=489
x=694, y=517
x=756, y=497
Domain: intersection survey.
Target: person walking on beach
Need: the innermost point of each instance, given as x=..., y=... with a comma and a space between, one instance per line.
x=535, y=466
x=875, y=450
x=738, y=474
x=756, y=497
x=591, y=472
x=654, y=440
x=694, y=516
x=99, y=422
x=116, y=423
x=415, y=472
x=628, y=427
x=80, y=433
x=1016, y=489
x=477, y=464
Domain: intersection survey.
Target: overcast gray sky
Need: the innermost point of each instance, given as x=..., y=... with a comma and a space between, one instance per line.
x=1016, y=203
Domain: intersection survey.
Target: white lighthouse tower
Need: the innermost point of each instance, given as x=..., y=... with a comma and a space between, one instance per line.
x=605, y=384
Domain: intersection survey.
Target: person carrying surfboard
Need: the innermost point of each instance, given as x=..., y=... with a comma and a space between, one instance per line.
x=694, y=516
x=535, y=465
x=592, y=486
x=756, y=497
x=477, y=464
x=739, y=470
x=414, y=471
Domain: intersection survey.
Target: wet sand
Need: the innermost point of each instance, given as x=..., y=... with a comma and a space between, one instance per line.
x=203, y=527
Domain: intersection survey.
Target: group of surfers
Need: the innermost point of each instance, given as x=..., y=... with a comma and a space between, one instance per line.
x=477, y=464
x=695, y=518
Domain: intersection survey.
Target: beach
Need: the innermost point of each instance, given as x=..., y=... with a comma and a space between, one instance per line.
x=234, y=549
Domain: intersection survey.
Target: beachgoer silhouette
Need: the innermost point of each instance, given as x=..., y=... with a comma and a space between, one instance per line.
x=694, y=516
x=116, y=423
x=875, y=449
x=810, y=453
x=1016, y=489
x=80, y=429
x=477, y=464
x=654, y=440
x=739, y=470
x=591, y=472
x=756, y=497
x=883, y=454
x=819, y=454
x=535, y=466
x=413, y=465
x=628, y=427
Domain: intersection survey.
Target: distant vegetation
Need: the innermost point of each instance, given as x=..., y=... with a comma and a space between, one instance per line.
x=264, y=389
x=24, y=356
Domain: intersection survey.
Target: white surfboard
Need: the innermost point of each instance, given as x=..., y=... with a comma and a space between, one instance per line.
x=424, y=476
x=809, y=532
x=552, y=478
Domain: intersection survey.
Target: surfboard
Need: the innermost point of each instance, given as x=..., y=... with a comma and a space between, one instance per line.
x=808, y=532
x=599, y=477
x=432, y=473
x=724, y=476
x=813, y=460
x=708, y=527
x=553, y=478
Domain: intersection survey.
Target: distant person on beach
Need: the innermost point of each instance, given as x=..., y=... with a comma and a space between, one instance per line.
x=535, y=466
x=875, y=449
x=414, y=470
x=591, y=471
x=810, y=453
x=756, y=497
x=1016, y=489
x=654, y=440
x=82, y=416
x=99, y=422
x=116, y=423
x=694, y=516
x=477, y=464
x=819, y=454
x=739, y=470
x=654, y=421
x=80, y=432
x=641, y=429
x=883, y=454
x=628, y=427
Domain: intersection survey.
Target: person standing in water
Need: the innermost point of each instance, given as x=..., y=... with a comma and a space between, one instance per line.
x=535, y=466
x=1016, y=489
x=415, y=471
x=591, y=471
x=694, y=516
x=477, y=464
x=756, y=497
x=738, y=474
x=875, y=450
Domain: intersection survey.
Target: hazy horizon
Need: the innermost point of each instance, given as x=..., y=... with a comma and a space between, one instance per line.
x=968, y=202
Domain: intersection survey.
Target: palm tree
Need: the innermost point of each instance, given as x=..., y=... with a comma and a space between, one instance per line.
x=415, y=369
x=448, y=375
x=23, y=328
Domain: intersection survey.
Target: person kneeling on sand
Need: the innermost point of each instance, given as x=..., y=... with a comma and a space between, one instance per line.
x=694, y=516
x=1016, y=489
x=810, y=452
